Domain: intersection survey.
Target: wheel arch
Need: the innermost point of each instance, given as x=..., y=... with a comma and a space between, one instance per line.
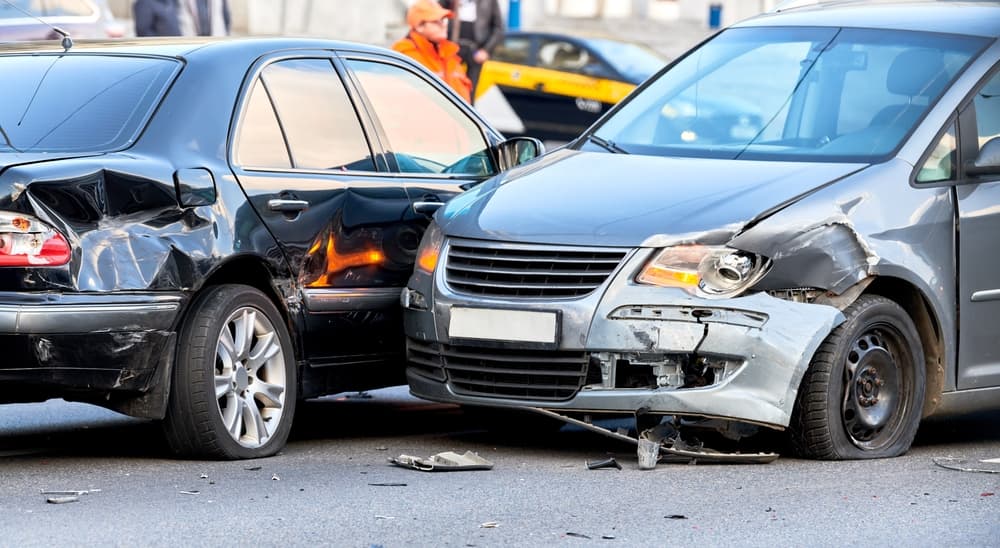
x=920, y=310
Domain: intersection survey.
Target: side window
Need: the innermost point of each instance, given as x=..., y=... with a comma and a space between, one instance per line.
x=515, y=50
x=320, y=124
x=987, y=102
x=427, y=133
x=564, y=56
x=259, y=142
x=940, y=165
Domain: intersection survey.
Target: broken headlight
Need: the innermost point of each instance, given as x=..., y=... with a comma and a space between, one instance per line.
x=708, y=271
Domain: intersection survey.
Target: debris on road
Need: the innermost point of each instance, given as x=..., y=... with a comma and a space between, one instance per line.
x=963, y=465
x=192, y=492
x=253, y=468
x=675, y=516
x=577, y=535
x=72, y=493
x=387, y=484
x=609, y=462
x=274, y=477
x=62, y=499
x=443, y=462
x=489, y=525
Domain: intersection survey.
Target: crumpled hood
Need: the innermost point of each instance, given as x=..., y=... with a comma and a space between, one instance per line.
x=589, y=198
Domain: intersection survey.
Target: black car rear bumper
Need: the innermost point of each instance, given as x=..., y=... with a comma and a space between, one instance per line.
x=61, y=343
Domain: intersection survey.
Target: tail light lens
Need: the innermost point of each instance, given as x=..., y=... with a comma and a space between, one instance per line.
x=26, y=241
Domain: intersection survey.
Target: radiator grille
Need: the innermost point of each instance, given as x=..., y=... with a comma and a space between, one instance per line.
x=516, y=374
x=528, y=271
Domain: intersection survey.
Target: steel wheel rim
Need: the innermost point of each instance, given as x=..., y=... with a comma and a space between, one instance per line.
x=876, y=387
x=250, y=381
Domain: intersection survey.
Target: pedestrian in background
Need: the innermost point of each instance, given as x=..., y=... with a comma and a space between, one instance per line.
x=204, y=17
x=480, y=29
x=428, y=43
x=156, y=17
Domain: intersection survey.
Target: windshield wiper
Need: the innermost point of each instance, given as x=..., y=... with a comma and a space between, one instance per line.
x=610, y=146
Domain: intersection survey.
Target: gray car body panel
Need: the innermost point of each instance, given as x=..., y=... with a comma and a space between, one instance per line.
x=831, y=230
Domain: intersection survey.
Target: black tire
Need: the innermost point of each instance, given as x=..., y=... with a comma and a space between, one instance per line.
x=863, y=394
x=248, y=415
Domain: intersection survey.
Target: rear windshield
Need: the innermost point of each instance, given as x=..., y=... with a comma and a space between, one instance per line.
x=78, y=103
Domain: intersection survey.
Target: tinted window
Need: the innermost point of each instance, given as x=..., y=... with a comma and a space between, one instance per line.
x=829, y=95
x=319, y=121
x=987, y=103
x=78, y=103
x=515, y=50
x=427, y=132
x=564, y=56
x=260, y=142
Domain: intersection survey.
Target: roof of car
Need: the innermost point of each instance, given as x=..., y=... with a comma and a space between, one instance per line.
x=947, y=16
x=187, y=47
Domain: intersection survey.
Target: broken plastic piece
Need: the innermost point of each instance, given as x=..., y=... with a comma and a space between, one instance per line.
x=606, y=463
x=190, y=492
x=489, y=525
x=443, y=462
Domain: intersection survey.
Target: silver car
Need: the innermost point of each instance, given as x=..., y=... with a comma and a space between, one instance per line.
x=35, y=19
x=824, y=263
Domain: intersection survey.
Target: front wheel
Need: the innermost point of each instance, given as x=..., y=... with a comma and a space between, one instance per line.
x=863, y=393
x=233, y=390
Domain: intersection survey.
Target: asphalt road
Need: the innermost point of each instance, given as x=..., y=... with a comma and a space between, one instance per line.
x=333, y=486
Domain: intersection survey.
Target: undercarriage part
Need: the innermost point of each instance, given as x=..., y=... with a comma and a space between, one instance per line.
x=673, y=447
x=653, y=370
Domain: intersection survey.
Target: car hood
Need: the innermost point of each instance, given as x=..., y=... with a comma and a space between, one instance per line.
x=588, y=198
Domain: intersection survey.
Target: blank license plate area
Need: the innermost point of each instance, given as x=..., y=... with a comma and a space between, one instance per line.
x=502, y=325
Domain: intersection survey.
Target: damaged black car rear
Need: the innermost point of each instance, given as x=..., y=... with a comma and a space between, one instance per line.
x=207, y=231
x=819, y=258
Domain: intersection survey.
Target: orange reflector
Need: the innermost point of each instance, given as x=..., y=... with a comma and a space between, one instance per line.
x=669, y=277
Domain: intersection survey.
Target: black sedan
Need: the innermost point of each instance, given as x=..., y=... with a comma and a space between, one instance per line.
x=205, y=232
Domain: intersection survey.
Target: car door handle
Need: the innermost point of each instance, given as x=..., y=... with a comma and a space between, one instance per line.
x=287, y=205
x=426, y=207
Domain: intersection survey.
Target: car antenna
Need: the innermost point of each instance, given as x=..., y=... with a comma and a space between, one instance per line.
x=67, y=41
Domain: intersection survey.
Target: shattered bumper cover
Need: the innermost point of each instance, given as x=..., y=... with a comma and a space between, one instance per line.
x=624, y=348
x=65, y=342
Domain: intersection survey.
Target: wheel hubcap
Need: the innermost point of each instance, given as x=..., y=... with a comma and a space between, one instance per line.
x=873, y=395
x=250, y=381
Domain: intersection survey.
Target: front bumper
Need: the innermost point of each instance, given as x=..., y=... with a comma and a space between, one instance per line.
x=70, y=343
x=627, y=348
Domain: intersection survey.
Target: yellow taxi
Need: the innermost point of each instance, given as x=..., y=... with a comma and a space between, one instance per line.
x=553, y=86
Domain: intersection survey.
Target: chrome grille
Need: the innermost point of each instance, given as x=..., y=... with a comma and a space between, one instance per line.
x=528, y=271
x=491, y=372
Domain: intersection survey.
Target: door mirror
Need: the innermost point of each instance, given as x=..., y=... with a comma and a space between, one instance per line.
x=988, y=161
x=518, y=150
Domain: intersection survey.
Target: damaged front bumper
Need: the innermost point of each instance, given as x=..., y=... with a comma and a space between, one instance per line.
x=56, y=344
x=624, y=348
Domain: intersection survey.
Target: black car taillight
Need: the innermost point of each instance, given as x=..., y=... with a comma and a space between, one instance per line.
x=26, y=241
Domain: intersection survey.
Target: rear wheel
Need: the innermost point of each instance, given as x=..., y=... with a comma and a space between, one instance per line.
x=863, y=393
x=233, y=390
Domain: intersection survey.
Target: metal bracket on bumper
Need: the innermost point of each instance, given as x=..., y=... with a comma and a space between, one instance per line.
x=673, y=448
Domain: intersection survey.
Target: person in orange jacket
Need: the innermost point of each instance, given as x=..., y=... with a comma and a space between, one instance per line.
x=428, y=43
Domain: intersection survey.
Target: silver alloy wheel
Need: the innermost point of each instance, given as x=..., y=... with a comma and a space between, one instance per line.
x=250, y=383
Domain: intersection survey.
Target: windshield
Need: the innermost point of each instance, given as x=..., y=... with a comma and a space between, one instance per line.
x=633, y=61
x=819, y=94
x=78, y=103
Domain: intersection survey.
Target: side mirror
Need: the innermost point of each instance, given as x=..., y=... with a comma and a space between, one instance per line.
x=518, y=150
x=988, y=161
